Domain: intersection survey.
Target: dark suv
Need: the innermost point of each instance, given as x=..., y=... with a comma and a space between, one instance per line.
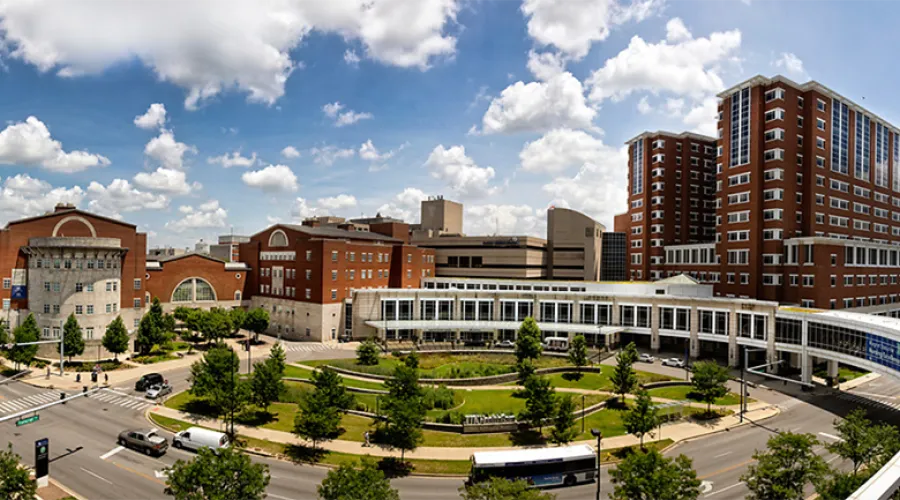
x=148, y=380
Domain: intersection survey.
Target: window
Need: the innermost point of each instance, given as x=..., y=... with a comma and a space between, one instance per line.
x=882, y=140
x=637, y=167
x=738, y=217
x=739, y=257
x=820, y=124
x=737, y=180
x=308, y=255
x=774, y=94
x=840, y=186
x=774, y=114
x=773, y=174
x=775, y=134
x=308, y=293
x=308, y=274
x=774, y=154
x=79, y=309
x=738, y=198
x=137, y=284
x=194, y=290
x=740, y=128
x=333, y=275
x=840, y=136
x=773, y=194
x=862, y=140
x=334, y=295
x=820, y=142
x=137, y=303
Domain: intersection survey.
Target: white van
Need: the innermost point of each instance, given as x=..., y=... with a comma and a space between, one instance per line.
x=196, y=438
x=556, y=343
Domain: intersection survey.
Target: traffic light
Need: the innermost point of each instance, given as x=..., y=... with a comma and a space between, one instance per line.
x=62, y=397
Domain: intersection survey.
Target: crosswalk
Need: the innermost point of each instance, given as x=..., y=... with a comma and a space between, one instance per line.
x=306, y=347
x=111, y=397
x=881, y=402
x=26, y=402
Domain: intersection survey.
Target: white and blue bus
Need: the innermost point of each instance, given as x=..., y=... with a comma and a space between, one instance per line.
x=539, y=467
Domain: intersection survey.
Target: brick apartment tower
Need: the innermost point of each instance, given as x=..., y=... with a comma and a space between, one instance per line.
x=671, y=188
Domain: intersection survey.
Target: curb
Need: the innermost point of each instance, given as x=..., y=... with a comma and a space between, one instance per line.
x=727, y=429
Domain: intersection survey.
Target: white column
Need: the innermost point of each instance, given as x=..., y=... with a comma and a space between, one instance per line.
x=654, y=327
x=833, y=369
x=695, y=330
x=806, y=365
x=733, y=351
x=771, y=353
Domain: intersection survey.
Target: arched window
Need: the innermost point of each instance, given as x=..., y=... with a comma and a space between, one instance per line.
x=278, y=239
x=237, y=295
x=194, y=290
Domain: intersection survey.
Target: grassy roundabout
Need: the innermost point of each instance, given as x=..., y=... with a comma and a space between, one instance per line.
x=685, y=392
x=600, y=381
x=444, y=365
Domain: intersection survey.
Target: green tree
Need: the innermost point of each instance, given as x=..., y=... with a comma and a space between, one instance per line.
x=709, y=379
x=168, y=325
x=215, y=379
x=564, y=430
x=525, y=369
x=328, y=387
x=839, y=485
x=238, y=316
x=352, y=482
x=115, y=340
x=223, y=474
x=403, y=410
x=528, y=340
x=73, y=341
x=216, y=325
x=277, y=357
x=181, y=313
x=578, y=353
x=15, y=481
x=151, y=330
x=4, y=333
x=266, y=384
x=412, y=360
x=858, y=441
x=782, y=471
x=316, y=421
x=367, y=353
x=540, y=402
x=643, y=417
x=257, y=321
x=194, y=320
x=648, y=475
x=624, y=379
x=498, y=488
x=26, y=332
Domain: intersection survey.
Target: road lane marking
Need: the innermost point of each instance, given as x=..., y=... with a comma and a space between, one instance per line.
x=161, y=474
x=111, y=452
x=706, y=487
x=723, y=454
x=720, y=491
x=869, y=394
x=95, y=475
x=278, y=496
x=830, y=436
x=727, y=469
x=145, y=476
x=832, y=459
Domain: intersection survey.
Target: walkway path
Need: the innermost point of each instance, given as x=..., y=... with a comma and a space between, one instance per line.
x=676, y=432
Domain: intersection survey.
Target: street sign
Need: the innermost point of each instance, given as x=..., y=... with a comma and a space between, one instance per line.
x=41, y=458
x=27, y=420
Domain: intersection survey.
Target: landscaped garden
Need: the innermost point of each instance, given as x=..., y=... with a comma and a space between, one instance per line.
x=444, y=365
x=686, y=392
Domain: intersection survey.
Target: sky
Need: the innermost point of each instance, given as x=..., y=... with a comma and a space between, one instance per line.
x=200, y=118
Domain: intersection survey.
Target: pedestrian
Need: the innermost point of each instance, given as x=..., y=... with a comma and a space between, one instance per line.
x=366, y=435
x=106, y=378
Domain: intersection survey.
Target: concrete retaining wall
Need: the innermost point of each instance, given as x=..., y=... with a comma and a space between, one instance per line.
x=667, y=383
x=492, y=380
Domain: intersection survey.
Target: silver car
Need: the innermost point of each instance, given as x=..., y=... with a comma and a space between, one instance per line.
x=676, y=362
x=144, y=441
x=157, y=391
x=646, y=358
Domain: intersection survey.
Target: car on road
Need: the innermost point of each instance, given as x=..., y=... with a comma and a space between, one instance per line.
x=195, y=438
x=158, y=390
x=145, y=441
x=676, y=362
x=506, y=344
x=148, y=380
x=646, y=358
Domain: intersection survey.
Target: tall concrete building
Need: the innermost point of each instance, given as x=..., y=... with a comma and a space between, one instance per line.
x=574, y=243
x=228, y=248
x=441, y=216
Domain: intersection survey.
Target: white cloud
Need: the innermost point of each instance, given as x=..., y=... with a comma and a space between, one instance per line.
x=29, y=144
x=339, y=202
x=23, y=196
x=676, y=31
x=155, y=117
x=327, y=155
x=368, y=152
x=406, y=205
x=792, y=65
x=233, y=160
x=272, y=178
x=539, y=106
x=120, y=196
x=703, y=117
x=460, y=172
x=562, y=149
x=184, y=42
x=598, y=189
x=349, y=117
x=351, y=58
x=688, y=68
x=545, y=65
x=166, y=180
x=301, y=209
x=643, y=106
x=505, y=219
x=674, y=107
x=572, y=26
x=167, y=151
x=209, y=215
x=290, y=152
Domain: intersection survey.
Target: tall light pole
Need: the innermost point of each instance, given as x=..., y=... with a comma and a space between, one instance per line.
x=599, y=436
x=582, y=413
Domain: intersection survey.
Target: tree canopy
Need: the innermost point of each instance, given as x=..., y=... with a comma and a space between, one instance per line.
x=256, y=320
x=528, y=340
x=783, y=470
x=367, y=353
x=403, y=410
x=357, y=482
x=26, y=332
x=648, y=475
x=498, y=488
x=578, y=353
x=624, y=379
x=15, y=481
x=540, y=401
x=151, y=330
x=709, y=379
x=223, y=474
x=73, y=341
x=115, y=340
x=564, y=430
x=643, y=417
x=215, y=379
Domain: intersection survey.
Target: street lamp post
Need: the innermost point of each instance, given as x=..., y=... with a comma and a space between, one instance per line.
x=582, y=413
x=599, y=436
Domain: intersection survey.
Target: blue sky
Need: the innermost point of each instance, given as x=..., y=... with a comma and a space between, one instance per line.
x=180, y=116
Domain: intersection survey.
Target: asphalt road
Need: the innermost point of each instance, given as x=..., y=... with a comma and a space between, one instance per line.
x=85, y=458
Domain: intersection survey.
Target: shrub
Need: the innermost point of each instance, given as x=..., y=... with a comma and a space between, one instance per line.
x=440, y=398
x=451, y=417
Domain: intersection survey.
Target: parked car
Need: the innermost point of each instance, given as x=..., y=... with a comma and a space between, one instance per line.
x=506, y=344
x=158, y=390
x=646, y=358
x=195, y=438
x=676, y=362
x=148, y=380
x=144, y=441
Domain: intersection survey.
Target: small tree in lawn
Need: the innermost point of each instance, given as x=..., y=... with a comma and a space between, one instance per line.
x=367, y=353
x=223, y=474
x=783, y=470
x=115, y=340
x=643, y=417
x=578, y=353
x=526, y=370
x=624, y=379
x=651, y=476
x=214, y=378
x=498, y=488
x=328, y=387
x=257, y=321
x=404, y=410
x=15, y=481
x=73, y=341
x=412, y=360
x=26, y=332
x=238, y=316
x=216, y=325
x=352, y=482
x=315, y=420
x=540, y=402
x=564, y=430
x=265, y=384
x=528, y=340
x=151, y=330
x=709, y=381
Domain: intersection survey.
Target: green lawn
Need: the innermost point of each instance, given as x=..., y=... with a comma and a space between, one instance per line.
x=486, y=402
x=444, y=365
x=599, y=381
x=291, y=371
x=683, y=392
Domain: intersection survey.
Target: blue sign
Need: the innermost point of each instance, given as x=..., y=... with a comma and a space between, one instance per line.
x=547, y=480
x=884, y=351
x=19, y=292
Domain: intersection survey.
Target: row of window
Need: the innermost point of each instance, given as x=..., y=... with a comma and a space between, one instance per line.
x=60, y=263
x=88, y=309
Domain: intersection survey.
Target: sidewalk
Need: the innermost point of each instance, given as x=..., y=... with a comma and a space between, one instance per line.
x=676, y=432
x=38, y=378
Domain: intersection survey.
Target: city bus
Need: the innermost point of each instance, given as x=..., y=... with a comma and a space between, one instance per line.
x=539, y=467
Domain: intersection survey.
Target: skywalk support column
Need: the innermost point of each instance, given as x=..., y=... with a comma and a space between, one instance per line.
x=654, y=328
x=771, y=353
x=833, y=370
x=806, y=366
x=695, y=330
x=733, y=351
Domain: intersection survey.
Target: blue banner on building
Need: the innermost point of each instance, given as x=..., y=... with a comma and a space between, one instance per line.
x=19, y=292
x=884, y=351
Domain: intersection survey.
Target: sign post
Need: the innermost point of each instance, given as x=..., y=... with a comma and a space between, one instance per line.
x=42, y=462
